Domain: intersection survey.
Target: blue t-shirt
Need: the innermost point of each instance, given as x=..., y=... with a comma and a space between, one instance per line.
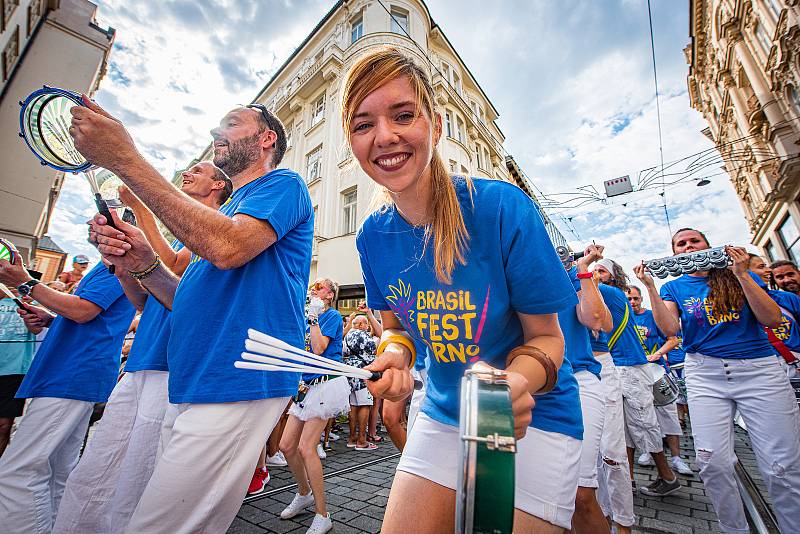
x=577, y=347
x=149, y=350
x=17, y=344
x=735, y=334
x=330, y=324
x=475, y=317
x=624, y=343
x=81, y=361
x=649, y=333
x=790, y=312
x=213, y=308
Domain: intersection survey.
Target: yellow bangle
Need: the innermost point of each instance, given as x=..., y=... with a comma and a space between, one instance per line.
x=402, y=340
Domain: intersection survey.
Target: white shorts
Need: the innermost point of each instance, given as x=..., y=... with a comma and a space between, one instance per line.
x=641, y=423
x=547, y=467
x=324, y=400
x=593, y=408
x=361, y=397
x=668, y=420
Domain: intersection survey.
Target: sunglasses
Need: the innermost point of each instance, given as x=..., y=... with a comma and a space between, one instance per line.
x=316, y=286
x=265, y=113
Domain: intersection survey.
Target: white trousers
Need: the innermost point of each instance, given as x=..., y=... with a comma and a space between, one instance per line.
x=593, y=408
x=104, y=488
x=641, y=422
x=760, y=390
x=37, y=462
x=668, y=421
x=614, y=492
x=200, y=479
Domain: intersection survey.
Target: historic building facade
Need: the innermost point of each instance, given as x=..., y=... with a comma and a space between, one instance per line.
x=305, y=93
x=744, y=77
x=52, y=42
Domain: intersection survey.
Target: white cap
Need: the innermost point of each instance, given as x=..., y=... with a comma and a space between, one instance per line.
x=605, y=263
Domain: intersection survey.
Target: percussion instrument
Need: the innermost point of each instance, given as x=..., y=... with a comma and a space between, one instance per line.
x=665, y=390
x=690, y=262
x=567, y=256
x=485, y=487
x=6, y=251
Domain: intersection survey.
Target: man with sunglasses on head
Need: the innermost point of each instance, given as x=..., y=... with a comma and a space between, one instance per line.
x=257, y=247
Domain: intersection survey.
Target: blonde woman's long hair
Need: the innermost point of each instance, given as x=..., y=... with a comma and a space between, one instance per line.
x=450, y=237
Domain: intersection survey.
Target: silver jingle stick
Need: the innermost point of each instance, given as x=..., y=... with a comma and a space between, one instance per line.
x=688, y=263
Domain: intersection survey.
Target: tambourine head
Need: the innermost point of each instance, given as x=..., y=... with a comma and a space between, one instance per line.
x=6, y=251
x=44, y=120
x=108, y=184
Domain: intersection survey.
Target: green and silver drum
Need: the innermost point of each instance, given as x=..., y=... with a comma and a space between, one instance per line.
x=485, y=488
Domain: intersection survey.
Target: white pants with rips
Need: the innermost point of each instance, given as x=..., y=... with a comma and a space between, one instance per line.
x=760, y=390
x=104, y=488
x=37, y=462
x=614, y=492
x=209, y=454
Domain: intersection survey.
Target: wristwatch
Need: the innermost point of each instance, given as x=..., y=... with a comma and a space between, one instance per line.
x=25, y=289
x=313, y=321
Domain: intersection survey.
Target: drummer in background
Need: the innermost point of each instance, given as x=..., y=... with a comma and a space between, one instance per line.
x=786, y=338
x=628, y=353
x=786, y=276
x=730, y=365
x=657, y=347
x=590, y=314
x=447, y=260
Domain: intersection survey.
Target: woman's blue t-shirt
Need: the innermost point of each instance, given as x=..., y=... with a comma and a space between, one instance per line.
x=623, y=342
x=790, y=313
x=577, y=347
x=330, y=324
x=474, y=318
x=213, y=308
x=734, y=335
x=81, y=360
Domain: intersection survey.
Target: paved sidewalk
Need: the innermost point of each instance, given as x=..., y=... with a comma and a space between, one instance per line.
x=357, y=497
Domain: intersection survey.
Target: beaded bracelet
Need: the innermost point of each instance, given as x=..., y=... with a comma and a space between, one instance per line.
x=141, y=275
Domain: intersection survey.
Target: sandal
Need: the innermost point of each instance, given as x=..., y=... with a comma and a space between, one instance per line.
x=375, y=438
x=368, y=447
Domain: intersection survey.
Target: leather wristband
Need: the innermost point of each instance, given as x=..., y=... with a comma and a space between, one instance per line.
x=551, y=373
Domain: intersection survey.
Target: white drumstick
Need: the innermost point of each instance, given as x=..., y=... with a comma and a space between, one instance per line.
x=355, y=371
x=268, y=367
x=296, y=355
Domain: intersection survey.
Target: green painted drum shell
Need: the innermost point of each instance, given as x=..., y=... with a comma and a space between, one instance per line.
x=494, y=469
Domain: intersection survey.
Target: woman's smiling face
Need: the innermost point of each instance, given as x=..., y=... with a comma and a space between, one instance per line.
x=393, y=141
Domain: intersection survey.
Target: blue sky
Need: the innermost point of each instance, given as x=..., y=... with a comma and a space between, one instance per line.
x=572, y=81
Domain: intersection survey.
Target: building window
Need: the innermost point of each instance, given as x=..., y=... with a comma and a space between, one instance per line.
x=456, y=82
x=453, y=167
x=790, y=235
x=464, y=171
x=460, y=130
x=763, y=183
x=318, y=110
x=10, y=54
x=357, y=29
x=448, y=123
x=763, y=39
x=488, y=159
x=9, y=6
x=774, y=5
x=772, y=253
x=314, y=165
x=446, y=71
x=478, y=156
x=794, y=97
x=349, y=211
x=289, y=129
x=399, y=21
x=34, y=14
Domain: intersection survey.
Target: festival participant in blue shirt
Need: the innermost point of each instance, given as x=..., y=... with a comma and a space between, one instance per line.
x=592, y=314
x=17, y=346
x=75, y=367
x=448, y=260
x=628, y=353
x=730, y=365
x=658, y=347
x=249, y=269
x=104, y=488
x=319, y=398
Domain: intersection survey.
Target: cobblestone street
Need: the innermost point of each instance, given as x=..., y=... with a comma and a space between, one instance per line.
x=357, y=487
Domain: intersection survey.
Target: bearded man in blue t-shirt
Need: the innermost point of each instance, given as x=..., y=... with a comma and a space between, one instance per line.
x=255, y=249
x=75, y=367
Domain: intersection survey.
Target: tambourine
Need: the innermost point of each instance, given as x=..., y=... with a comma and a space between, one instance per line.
x=485, y=487
x=688, y=263
x=6, y=251
x=567, y=256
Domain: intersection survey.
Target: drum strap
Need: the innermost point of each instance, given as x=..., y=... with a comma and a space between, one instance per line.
x=781, y=347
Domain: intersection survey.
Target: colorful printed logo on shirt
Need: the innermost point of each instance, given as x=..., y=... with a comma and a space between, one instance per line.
x=701, y=309
x=447, y=321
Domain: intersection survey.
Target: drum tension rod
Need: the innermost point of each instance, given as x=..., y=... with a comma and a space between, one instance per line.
x=495, y=442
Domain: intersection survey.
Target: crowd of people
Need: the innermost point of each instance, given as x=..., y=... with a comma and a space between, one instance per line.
x=459, y=272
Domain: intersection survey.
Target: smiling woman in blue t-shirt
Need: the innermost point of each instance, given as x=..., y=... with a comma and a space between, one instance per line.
x=730, y=365
x=448, y=261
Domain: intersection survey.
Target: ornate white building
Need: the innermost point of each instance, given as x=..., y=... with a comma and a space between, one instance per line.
x=305, y=94
x=52, y=42
x=744, y=77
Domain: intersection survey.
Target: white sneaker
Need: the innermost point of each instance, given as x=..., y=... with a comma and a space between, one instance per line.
x=333, y=437
x=645, y=459
x=320, y=525
x=321, y=452
x=279, y=460
x=298, y=504
x=680, y=466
